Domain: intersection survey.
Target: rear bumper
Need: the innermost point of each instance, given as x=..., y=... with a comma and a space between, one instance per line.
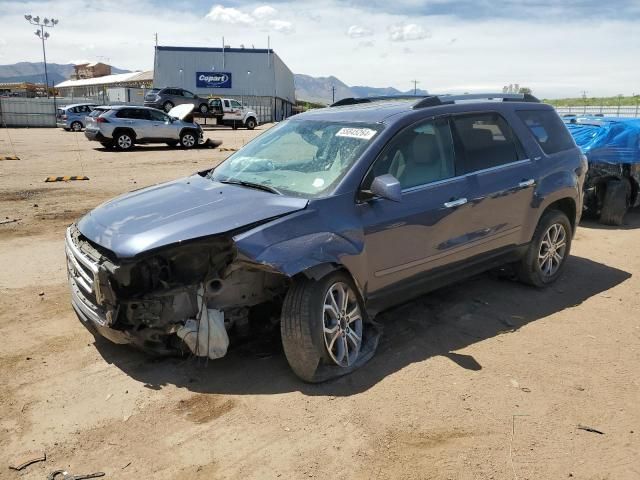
x=96, y=135
x=61, y=124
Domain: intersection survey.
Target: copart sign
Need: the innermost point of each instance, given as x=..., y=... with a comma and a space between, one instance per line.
x=213, y=79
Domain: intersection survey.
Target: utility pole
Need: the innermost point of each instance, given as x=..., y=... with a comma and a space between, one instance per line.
x=415, y=86
x=43, y=35
x=333, y=94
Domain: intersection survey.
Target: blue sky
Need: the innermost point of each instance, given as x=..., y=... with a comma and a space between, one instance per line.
x=555, y=48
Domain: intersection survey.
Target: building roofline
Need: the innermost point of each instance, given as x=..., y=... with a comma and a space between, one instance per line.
x=215, y=49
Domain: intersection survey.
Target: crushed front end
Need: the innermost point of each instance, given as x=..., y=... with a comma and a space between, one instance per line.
x=157, y=300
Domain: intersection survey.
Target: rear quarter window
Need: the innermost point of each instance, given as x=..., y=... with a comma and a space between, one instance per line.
x=548, y=130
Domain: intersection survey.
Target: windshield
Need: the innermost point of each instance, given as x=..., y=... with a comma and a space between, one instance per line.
x=299, y=157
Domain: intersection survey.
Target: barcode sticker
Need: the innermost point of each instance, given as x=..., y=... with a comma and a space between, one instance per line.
x=362, y=133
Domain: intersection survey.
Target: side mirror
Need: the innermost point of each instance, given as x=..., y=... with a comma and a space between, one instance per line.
x=387, y=186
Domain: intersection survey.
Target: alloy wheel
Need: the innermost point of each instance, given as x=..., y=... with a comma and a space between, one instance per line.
x=188, y=140
x=124, y=142
x=342, y=323
x=76, y=126
x=552, y=249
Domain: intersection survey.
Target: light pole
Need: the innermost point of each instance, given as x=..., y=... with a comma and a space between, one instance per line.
x=248, y=85
x=43, y=35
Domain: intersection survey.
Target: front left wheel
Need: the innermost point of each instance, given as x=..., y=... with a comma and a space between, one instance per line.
x=323, y=327
x=76, y=126
x=188, y=139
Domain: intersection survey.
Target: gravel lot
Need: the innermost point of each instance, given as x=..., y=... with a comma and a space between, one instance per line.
x=487, y=379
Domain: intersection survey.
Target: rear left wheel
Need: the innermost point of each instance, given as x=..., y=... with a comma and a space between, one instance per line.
x=204, y=108
x=548, y=251
x=323, y=327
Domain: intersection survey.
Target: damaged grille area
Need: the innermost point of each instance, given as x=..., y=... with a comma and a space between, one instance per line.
x=159, y=300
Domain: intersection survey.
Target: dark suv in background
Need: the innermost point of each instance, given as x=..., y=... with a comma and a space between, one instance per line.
x=167, y=98
x=325, y=220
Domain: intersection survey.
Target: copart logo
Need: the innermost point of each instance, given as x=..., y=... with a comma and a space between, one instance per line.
x=222, y=78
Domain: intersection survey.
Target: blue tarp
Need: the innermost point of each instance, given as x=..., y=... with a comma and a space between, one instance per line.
x=607, y=139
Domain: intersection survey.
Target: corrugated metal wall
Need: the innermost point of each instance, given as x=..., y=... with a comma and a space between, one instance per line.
x=28, y=112
x=269, y=84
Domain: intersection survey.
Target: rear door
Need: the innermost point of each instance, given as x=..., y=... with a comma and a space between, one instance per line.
x=501, y=181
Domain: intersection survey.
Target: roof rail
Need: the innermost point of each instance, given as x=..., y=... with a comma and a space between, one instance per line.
x=380, y=98
x=435, y=100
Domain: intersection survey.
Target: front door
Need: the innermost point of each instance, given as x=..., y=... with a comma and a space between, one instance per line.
x=406, y=239
x=161, y=126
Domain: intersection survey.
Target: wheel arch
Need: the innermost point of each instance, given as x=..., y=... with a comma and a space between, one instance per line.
x=118, y=130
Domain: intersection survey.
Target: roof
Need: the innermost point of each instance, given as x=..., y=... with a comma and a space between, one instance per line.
x=214, y=49
x=108, y=79
x=71, y=105
x=382, y=111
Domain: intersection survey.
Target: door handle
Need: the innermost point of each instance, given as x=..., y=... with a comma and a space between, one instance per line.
x=455, y=203
x=526, y=183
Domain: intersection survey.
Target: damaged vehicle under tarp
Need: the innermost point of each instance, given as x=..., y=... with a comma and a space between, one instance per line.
x=612, y=147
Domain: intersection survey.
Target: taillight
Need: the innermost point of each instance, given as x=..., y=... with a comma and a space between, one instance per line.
x=64, y=117
x=101, y=120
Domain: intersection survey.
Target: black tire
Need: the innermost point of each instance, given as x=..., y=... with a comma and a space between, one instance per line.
x=303, y=333
x=188, y=139
x=250, y=123
x=124, y=141
x=166, y=106
x=529, y=269
x=76, y=126
x=203, y=108
x=615, y=202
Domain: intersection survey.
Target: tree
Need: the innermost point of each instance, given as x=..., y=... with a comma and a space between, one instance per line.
x=525, y=90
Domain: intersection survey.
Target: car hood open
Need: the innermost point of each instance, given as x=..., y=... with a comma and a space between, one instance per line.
x=181, y=111
x=178, y=211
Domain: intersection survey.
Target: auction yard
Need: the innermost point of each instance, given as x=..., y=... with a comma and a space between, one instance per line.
x=487, y=379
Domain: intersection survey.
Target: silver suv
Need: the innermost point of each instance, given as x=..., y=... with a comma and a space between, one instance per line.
x=124, y=126
x=167, y=98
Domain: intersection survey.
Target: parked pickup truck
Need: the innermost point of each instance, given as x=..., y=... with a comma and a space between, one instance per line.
x=230, y=112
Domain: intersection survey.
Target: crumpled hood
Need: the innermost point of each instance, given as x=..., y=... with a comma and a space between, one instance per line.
x=181, y=111
x=177, y=211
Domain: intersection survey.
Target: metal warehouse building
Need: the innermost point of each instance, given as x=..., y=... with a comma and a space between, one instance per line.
x=256, y=77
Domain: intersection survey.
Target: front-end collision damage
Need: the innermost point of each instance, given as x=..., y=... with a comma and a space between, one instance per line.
x=155, y=301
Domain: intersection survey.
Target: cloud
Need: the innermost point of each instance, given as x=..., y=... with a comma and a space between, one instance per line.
x=282, y=26
x=404, y=33
x=367, y=44
x=358, y=31
x=259, y=18
x=265, y=11
x=229, y=15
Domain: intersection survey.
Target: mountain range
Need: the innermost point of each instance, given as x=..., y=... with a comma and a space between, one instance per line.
x=308, y=88
x=319, y=89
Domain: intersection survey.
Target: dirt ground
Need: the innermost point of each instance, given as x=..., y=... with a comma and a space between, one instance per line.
x=487, y=379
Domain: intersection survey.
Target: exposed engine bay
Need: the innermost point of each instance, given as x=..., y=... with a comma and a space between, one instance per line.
x=173, y=299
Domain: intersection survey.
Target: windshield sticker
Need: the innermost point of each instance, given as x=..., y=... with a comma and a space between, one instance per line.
x=362, y=133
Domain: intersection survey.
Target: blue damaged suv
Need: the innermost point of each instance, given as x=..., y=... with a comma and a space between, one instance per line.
x=328, y=218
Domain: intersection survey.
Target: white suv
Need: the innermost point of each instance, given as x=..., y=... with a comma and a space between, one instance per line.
x=124, y=126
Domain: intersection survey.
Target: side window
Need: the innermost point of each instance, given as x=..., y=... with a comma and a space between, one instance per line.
x=235, y=104
x=226, y=103
x=187, y=94
x=140, y=114
x=484, y=140
x=124, y=113
x=548, y=129
x=158, y=116
x=418, y=155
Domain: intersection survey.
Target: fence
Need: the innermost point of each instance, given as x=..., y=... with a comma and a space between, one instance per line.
x=41, y=112
x=615, y=111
